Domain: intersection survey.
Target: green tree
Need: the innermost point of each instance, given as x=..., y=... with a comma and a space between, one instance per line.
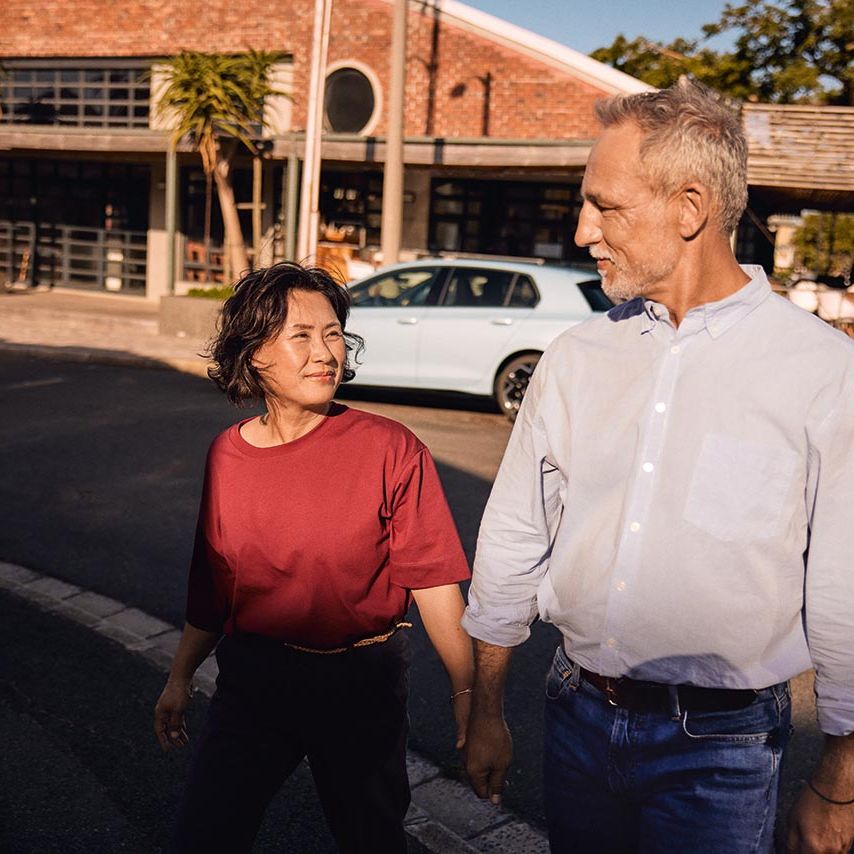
x=217, y=102
x=825, y=243
x=784, y=52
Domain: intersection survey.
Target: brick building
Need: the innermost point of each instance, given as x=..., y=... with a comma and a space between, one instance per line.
x=498, y=125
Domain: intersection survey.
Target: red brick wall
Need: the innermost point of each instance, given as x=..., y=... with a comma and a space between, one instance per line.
x=528, y=99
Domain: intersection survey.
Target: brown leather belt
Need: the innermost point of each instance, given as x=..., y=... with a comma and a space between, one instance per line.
x=639, y=696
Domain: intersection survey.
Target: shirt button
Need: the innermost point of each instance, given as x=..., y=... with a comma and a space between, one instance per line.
x=648, y=467
x=612, y=641
x=660, y=407
x=674, y=349
x=621, y=586
x=634, y=527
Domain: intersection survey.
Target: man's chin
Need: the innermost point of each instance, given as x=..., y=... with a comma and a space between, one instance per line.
x=620, y=291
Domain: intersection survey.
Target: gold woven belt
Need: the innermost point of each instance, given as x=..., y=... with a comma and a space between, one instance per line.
x=359, y=643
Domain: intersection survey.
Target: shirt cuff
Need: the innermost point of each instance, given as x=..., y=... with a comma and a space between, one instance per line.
x=497, y=629
x=835, y=707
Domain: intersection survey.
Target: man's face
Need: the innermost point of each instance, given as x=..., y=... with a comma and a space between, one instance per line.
x=632, y=233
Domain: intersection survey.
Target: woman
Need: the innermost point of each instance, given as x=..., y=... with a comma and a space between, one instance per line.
x=318, y=524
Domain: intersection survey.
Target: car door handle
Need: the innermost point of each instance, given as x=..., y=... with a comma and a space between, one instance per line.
x=501, y=321
x=407, y=321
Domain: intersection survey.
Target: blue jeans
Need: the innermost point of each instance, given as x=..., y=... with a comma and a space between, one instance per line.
x=669, y=781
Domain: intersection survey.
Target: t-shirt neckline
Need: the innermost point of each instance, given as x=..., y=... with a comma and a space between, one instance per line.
x=239, y=443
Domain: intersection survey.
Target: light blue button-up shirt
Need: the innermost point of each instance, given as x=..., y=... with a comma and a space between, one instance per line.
x=659, y=493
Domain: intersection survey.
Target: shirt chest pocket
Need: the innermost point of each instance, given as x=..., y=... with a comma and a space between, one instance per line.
x=739, y=488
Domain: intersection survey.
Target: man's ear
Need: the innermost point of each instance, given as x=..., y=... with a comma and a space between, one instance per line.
x=694, y=202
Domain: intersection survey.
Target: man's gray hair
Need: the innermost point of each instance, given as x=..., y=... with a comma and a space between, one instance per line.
x=690, y=134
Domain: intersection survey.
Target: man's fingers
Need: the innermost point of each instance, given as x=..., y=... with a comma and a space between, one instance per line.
x=496, y=785
x=479, y=782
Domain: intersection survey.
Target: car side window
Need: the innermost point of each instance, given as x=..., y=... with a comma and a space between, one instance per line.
x=524, y=294
x=478, y=288
x=396, y=288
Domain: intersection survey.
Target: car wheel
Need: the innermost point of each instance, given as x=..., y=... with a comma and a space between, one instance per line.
x=511, y=383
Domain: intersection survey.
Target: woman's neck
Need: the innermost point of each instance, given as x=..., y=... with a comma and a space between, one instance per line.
x=282, y=424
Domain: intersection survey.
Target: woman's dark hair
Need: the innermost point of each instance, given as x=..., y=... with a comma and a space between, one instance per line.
x=256, y=312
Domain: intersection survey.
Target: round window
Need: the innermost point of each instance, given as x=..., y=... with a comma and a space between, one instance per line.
x=349, y=101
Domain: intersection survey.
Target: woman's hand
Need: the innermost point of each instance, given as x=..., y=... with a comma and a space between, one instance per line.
x=193, y=648
x=169, y=726
x=441, y=609
x=462, y=708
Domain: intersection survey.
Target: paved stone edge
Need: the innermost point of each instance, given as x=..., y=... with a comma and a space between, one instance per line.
x=465, y=826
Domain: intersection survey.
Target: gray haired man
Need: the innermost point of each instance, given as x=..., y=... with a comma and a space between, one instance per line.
x=677, y=497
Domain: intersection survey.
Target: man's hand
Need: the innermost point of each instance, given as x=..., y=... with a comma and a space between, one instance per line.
x=489, y=748
x=488, y=754
x=169, y=727
x=819, y=827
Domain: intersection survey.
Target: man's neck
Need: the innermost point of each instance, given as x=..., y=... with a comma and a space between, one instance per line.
x=706, y=274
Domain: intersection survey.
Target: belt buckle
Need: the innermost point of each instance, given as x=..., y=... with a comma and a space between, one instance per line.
x=611, y=690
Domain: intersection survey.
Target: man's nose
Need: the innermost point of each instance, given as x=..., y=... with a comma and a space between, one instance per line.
x=587, y=231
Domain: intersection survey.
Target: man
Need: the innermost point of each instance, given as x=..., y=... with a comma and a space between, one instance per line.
x=677, y=497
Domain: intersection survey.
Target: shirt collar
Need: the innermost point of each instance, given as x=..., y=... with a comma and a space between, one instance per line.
x=718, y=317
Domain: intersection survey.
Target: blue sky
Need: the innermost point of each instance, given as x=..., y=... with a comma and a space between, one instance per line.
x=586, y=26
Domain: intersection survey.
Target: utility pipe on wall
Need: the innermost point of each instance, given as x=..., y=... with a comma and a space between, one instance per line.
x=309, y=219
x=392, y=218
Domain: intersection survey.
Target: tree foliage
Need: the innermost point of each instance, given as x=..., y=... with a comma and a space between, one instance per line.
x=825, y=243
x=217, y=102
x=784, y=52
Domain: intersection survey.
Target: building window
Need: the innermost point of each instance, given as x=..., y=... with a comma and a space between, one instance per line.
x=351, y=207
x=350, y=100
x=110, y=93
x=505, y=218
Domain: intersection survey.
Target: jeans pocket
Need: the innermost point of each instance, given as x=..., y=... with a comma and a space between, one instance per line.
x=759, y=723
x=559, y=675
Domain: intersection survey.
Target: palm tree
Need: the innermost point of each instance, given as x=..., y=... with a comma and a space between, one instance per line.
x=217, y=102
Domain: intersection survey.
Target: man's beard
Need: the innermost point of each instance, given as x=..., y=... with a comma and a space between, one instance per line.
x=621, y=285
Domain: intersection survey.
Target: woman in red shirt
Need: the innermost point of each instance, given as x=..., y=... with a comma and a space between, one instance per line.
x=318, y=525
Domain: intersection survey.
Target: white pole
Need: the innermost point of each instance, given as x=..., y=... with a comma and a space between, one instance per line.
x=392, y=217
x=309, y=219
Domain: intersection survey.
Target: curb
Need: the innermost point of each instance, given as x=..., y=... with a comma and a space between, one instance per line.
x=445, y=816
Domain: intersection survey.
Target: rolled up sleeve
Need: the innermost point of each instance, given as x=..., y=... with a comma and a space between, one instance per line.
x=829, y=589
x=517, y=531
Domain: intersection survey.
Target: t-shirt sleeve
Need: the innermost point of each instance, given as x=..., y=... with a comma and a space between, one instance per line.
x=210, y=575
x=425, y=549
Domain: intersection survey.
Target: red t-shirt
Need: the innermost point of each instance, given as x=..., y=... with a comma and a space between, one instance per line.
x=319, y=541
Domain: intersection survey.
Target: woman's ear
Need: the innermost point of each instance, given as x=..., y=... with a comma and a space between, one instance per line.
x=694, y=202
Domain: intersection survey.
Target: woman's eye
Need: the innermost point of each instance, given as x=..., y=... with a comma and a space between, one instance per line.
x=334, y=334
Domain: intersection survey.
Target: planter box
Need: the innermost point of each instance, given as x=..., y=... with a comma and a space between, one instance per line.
x=188, y=317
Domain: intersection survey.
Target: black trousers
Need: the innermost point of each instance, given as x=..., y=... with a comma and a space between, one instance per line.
x=273, y=707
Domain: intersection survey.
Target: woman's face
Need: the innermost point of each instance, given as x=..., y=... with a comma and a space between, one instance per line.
x=302, y=365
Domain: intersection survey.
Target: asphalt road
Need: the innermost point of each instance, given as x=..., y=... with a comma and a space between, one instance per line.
x=102, y=472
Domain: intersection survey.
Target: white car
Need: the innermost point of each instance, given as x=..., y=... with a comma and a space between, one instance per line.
x=471, y=326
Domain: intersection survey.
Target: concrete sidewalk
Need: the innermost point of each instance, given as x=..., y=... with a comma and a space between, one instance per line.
x=93, y=327
x=112, y=329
